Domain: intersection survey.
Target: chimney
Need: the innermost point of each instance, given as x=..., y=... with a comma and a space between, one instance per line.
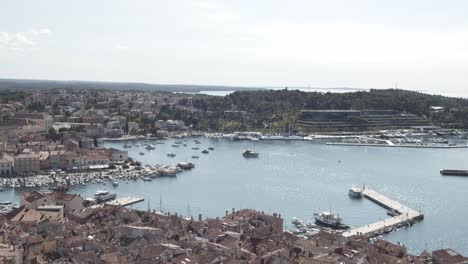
x=233, y=210
x=199, y=217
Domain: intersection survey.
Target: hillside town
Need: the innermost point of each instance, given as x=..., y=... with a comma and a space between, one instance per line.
x=39, y=232
x=58, y=133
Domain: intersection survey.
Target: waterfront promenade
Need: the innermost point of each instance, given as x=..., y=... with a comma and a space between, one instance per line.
x=406, y=216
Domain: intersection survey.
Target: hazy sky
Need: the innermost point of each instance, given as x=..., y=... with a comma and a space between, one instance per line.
x=423, y=44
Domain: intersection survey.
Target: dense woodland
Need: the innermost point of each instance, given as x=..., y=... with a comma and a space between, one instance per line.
x=277, y=110
x=280, y=107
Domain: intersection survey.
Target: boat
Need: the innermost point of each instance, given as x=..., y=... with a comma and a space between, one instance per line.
x=115, y=183
x=146, y=179
x=175, y=145
x=141, y=153
x=197, y=142
x=454, y=172
x=393, y=212
x=60, y=188
x=211, y=148
x=195, y=157
x=328, y=219
x=355, y=192
x=205, y=151
x=149, y=147
x=103, y=196
x=186, y=165
x=171, y=154
x=196, y=148
x=127, y=146
x=250, y=154
x=166, y=172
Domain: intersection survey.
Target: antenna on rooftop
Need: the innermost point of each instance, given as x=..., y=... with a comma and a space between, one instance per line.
x=160, y=203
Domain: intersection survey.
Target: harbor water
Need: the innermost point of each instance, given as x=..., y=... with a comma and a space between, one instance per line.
x=298, y=178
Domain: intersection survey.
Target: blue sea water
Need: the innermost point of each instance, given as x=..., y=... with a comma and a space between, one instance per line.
x=299, y=178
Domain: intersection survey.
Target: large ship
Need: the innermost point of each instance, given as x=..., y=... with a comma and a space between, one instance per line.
x=103, y=196
x=328, y=219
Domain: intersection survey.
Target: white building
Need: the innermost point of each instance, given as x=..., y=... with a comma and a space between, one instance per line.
x=6, y=165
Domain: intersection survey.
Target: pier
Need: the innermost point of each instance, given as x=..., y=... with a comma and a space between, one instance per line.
x=428, y=146
x=125, y=201
x=405, y=216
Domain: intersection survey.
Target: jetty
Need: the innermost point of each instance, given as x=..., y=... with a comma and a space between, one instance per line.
x=125, y=201
x=405, y=216
x=429, y=146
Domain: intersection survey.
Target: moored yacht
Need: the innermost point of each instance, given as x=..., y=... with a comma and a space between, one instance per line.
x=328, y=219
x=250, y=154
x=102, y=196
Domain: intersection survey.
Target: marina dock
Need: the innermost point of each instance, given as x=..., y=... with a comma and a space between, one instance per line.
x=405, y=216
x=430, y=146
x=125, y=201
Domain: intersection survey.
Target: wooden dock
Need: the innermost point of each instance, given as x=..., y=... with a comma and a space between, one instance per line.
x=125, y=201
x=406, y=216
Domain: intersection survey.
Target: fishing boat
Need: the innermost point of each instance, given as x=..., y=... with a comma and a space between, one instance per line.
x=250, y=154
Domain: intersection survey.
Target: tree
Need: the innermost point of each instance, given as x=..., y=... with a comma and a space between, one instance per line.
x=53, y=135
x=95, y=142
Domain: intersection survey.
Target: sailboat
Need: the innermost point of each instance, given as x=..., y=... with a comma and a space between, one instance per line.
x=250, y=153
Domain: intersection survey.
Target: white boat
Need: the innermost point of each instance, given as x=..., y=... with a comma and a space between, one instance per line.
x=115, y=183
x=149, y=147
x=102, y=196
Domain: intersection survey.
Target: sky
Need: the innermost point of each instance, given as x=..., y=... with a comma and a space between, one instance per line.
x=421, y=44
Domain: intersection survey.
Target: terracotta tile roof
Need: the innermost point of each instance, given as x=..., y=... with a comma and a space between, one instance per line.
x=34, y=196
x=61, y=196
